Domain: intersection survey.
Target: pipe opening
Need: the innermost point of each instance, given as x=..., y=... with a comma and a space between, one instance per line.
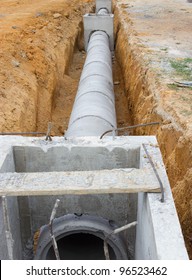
x=80, y=246
x=81, y=238
x=103, y=11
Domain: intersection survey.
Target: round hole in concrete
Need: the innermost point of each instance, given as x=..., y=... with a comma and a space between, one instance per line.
x=82, y=235
x=80, y=246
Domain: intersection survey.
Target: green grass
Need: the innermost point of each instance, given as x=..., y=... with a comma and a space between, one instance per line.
x=183, y=68
x=164, y=49
x=173, y=86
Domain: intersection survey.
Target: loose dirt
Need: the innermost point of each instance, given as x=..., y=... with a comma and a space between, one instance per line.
x=37, y=40
x=154, y=49
x=41, y=58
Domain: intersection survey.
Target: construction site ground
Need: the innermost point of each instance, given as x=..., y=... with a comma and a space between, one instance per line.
x=41, y=59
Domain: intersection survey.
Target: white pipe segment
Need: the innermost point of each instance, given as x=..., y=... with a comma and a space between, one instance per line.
x=94, y=107
x=103, y=11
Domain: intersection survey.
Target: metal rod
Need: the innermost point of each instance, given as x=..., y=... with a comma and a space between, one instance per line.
x=54, y=242
x=156, y=173
x=106, y=250
x=116, y=231
x=48, y=137
x=133, y=224
x=128, y=127
x=21, y=133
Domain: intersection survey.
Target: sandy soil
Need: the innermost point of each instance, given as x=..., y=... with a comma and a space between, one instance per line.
x=41, y=57
x=154, y=49
x=35, y=55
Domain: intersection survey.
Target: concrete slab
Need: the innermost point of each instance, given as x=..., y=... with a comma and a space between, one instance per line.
x=128, y=180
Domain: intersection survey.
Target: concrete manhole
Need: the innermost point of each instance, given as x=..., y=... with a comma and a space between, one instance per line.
x=81, y=237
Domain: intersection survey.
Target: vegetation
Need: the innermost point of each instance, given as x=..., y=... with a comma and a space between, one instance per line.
x=183, y=68
x=173, y=86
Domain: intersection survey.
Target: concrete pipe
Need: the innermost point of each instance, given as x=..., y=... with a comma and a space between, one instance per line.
x=103, y=11
x=80, y=237
x=94, y=109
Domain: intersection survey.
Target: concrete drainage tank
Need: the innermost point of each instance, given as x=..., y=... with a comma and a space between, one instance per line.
x=94, y=107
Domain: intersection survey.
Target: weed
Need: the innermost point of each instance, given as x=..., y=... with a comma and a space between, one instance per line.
x=173, y=86
x=183, y=67
x=164, y=49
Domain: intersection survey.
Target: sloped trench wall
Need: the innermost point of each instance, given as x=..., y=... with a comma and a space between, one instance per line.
x=142, y=90
x=36, y=55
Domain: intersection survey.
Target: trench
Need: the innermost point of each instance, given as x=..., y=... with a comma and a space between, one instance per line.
x=141, y=88
x=64, y=96
x=136, y=102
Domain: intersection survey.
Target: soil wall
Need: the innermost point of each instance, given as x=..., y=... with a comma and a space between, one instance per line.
x=144, y=91
x=36, y=51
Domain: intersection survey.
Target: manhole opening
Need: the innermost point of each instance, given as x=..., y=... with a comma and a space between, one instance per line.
x=80, y=246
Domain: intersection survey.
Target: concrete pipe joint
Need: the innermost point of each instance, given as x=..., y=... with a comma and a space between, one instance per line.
x=81, y=237
x=103, y=11
x=94, y=109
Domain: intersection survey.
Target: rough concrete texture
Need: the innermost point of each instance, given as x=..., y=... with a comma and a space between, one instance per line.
x=104, y=3
x=94, y=22
x=3, y=244
x=154, y=217
x=128, y=180
x=73, y=158
x=10, y=243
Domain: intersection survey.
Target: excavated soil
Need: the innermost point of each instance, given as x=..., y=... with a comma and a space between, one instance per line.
x=154, y=49
x=42, y=55
x=38, y=39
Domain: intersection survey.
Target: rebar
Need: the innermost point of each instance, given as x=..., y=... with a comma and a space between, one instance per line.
x=53, y=239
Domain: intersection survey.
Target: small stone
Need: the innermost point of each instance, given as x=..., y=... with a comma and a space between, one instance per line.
x=23, y=54
x=14, y=27
x=39, y=14
x=29, y=40
x=66, y=15
x=15, y=63
x=116, y=83
x=57, y=15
